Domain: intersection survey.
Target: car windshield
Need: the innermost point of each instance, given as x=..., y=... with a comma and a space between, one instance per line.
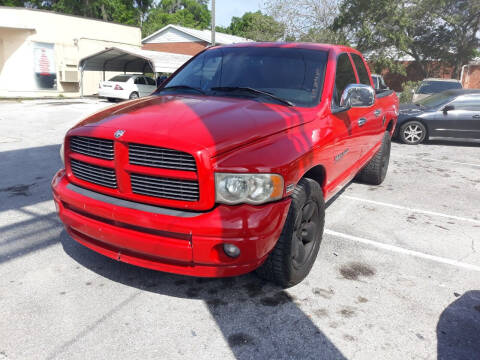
x=435, y=100
x=290, y=76
x=433, y=87
x=121, y=78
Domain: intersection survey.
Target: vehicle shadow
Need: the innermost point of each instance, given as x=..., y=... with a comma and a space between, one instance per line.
x=458, y=329
x=257, y=319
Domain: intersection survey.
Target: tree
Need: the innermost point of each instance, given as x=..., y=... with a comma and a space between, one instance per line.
x=255, y=26
x=189, y=13
x=121, y=11
x=432, y=32
x=306, y=20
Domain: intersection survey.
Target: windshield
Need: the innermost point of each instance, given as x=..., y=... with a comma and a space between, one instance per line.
x=432, y=87
x=121, y=78
x=290, y=74
x=435, y=100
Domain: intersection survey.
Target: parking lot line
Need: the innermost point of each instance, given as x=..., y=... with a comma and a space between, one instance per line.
x=440, y=160
x=404, y=251
x=420, y=211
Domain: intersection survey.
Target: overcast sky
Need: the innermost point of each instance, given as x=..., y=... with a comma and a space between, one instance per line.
x=226, y=9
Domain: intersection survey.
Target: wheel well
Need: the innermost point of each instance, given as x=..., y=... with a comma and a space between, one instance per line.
x=318, y=174
x=390, y=126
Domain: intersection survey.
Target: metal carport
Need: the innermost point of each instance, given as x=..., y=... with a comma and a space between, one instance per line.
x=131, y=60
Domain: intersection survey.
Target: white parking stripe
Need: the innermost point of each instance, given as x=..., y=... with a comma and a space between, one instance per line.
x=401, y=250
x=446, y=161
x=420, y=211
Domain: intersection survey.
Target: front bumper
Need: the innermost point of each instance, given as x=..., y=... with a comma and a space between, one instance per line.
x=176, y=241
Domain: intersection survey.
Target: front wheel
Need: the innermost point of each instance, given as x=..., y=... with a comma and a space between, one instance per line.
x=412, y=133
x=295, y=252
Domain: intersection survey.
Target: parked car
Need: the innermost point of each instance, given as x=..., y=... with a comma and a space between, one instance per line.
x=379, y=82
x=226, y=168
x=126, y=87
x=434, y=86
x=452, y=114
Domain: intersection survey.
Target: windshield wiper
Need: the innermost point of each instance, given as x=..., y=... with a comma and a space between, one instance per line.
x=252, y=91
x=185, y=87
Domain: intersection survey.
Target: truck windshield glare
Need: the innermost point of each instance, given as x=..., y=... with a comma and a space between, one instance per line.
x=291, y=75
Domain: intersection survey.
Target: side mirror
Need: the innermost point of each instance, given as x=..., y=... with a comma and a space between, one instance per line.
x=448, y=108
x=357, y=95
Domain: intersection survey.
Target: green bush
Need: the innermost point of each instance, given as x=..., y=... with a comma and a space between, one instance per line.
x=407, y=88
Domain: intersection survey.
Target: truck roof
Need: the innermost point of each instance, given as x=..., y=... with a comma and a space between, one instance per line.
x=299, y=45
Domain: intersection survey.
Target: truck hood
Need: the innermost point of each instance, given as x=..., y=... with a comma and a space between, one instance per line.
x=217, y=124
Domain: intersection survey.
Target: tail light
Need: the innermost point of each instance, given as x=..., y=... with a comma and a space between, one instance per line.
x=118, y=87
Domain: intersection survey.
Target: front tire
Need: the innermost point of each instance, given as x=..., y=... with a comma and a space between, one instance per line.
x=376, y=169
x=295, y=252
x=412, y=132
x=133, y=96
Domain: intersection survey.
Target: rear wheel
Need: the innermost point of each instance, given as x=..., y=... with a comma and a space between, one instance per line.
x=133, y=95
x=376, y=169
x=413, y=133
x=294, y=254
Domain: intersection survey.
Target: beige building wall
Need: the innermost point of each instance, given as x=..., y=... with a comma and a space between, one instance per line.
x=66, y=38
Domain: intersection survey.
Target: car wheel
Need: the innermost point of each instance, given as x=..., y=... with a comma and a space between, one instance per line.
x=376, y=169
x=412, y=132
x=133, y=95
x=295, y=252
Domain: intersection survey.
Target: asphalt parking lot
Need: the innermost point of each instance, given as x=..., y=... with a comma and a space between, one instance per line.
x=398, y=274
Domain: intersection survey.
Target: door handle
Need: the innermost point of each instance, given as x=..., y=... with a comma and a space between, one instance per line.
x=476, y=116
x=362, y=121
x=377, y=112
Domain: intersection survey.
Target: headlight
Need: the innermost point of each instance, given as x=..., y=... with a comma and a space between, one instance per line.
x=248, y=188
x=62, y=153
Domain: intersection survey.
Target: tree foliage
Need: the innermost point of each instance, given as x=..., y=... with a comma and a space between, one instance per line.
x=432, y=32
x=255, y=26
x=189, y=13
x=306, y=20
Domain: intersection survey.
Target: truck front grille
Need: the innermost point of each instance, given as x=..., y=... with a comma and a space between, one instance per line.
x=153, y=156
x=95, y=147
x=167, y=188
x=94, y=174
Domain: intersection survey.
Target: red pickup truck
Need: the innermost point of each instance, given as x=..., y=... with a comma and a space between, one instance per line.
x=226, y=168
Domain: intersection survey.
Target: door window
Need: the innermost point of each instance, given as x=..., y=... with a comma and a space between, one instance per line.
x=343, y=77
x=361, y=70
x=150, y=81
x=140, y=80
x=467, y=103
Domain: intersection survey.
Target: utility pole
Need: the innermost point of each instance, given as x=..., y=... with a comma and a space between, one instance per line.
x=213, y=23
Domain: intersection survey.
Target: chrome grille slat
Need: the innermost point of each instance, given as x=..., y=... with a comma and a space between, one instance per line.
x=186, y=190
x=168, y=189
x=94, y=174
x=153, y=156
x=151, y=180
x=95, y=147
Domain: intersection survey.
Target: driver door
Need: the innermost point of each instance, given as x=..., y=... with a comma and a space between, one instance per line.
x=346, y=149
